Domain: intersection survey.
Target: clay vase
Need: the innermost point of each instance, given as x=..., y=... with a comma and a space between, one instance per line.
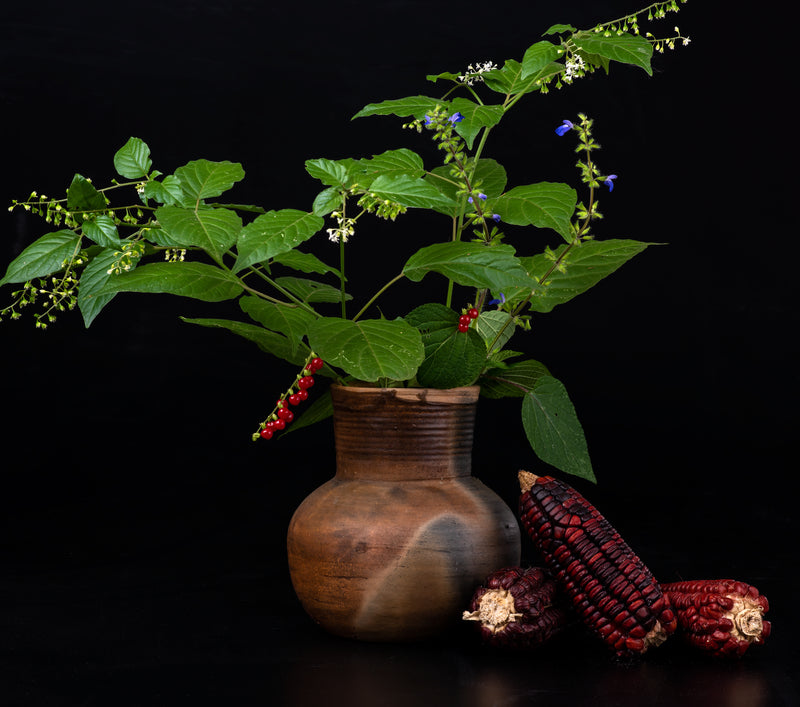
x=393, y=546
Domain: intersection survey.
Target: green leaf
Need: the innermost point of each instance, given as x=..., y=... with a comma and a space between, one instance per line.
x=188, y=279
x=413, y=106
x=476, y=117
x=452, y=358
x=213, y=230
x=511, y=81
x=305, y=262
x=168, y=191
x=93, y=279
x=274, y=233
x=553, y=429
x=470, y=264
x=310, y=290
x=409, y=191
x=513, y=380
x=559, y=29
x=545, y=205
x=392, y=163
x=203, y=179
x=538, y=56
x=368, y=349
x=44, y=256
x=332, y=173
x=490, y=324
x=625, y=48
x=132, y=160
x=586, y=265
x=290, y=320
x=83, y=197
x=103, y=231
x=268, y=341
x=446, y=75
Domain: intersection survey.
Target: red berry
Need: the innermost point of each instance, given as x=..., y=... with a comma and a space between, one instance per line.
x=294, y=399
x=302, y=394
x=463, y=327
x=285, y=414
x=464, y=319
x=278, y=424
x=305, y=382
x=316, y=364
x=266, y=433
x=473, y=313
x=281, y=403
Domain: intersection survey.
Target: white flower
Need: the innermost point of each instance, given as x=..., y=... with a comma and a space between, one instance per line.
x=474, y=71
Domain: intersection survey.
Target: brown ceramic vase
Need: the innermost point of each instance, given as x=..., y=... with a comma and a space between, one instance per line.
x=392, y=547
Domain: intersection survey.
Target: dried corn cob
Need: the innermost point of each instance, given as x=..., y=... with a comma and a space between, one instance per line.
x=518, y=608
x=613, y=592
x=722, y=616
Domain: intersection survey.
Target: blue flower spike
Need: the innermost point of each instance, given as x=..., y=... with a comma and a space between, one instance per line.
x=609, y=181
x=496, y=218
x=483, y=197
x=456, y=118
x=500, y=300
x=564, y=128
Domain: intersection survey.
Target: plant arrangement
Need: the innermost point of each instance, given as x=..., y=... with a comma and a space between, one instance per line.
x=178, y=233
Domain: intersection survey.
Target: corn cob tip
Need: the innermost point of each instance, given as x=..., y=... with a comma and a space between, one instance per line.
x=526, y=480
x=496, y=609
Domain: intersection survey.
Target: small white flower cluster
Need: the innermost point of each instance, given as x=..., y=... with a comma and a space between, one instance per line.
x=175, y=255
x=345, y=229
x=474, y=71
x=574, y=68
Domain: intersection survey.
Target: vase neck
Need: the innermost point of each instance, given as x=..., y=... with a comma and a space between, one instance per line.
x=403, y=433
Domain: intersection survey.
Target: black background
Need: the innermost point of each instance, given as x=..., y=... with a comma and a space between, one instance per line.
x=142, y=551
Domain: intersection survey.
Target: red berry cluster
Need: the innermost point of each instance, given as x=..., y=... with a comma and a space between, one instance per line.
x=467, y=318
x=282, y=415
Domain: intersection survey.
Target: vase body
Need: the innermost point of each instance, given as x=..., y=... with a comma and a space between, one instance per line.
x=392, y=547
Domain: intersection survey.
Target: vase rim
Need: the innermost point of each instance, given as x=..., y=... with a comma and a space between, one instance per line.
x=467, y=393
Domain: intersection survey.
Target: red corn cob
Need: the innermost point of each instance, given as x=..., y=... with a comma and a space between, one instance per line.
x=613, y=592
x=722, y=616
x=517, y=608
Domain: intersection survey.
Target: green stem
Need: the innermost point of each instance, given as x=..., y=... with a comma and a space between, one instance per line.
x=378, y=294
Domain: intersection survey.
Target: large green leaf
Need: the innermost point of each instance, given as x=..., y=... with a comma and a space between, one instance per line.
x=44, y=256
x=332, y=173
x=586, y=265
x=452, y=358
x=538, y=56
x=274, y=233
x=545, y=205
x=368, y=349
x=310, y=290
x=167, y=191
x=409, y=191
x=626, y=48
x=392, y=163
x=476, y=117
x=495, y=328
x=512, y=380
x=413, y=106
x=213, y=230
x=103, y=231
x=470, y=264
x=203, y=179
x=304, y=262
x=290, y=320
x=82, y=198
x=187, y=279
x=268, y=341
x=512, y=81
x=553, y=429
x=132, y=160
x=93, y=279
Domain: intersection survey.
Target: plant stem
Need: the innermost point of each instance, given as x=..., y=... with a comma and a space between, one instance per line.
x=376, y=295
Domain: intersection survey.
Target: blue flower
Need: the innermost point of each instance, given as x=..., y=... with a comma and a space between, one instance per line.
x=456, y=118
x=428, y=120
x=480, y=196
x=496, y=218
x=565, y=127
x=499, y=300
x=609, y=181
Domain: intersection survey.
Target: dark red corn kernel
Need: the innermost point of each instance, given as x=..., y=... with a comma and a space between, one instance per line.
x=723, y=617
x=518, y=608
x=610, y=588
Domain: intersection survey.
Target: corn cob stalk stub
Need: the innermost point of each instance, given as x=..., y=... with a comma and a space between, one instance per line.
x=611, y=589
x=724, y=617
x=517, y=607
